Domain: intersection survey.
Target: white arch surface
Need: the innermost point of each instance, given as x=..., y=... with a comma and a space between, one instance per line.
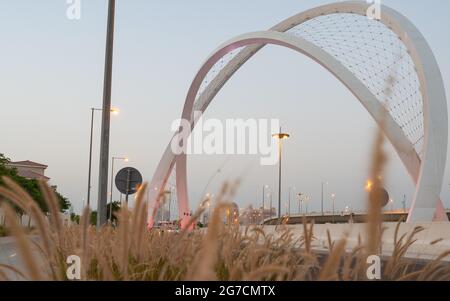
x=427, y=174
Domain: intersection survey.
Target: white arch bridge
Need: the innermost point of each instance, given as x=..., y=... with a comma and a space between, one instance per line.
x=366, y=55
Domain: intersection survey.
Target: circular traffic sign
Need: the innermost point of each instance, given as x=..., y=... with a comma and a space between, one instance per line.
x=380, y=195
x=128, y=180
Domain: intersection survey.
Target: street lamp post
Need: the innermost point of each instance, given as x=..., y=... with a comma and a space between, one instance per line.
x=112, y=186
x=93, y=110
x=264, y=196
x=333, y=197
x=280, y=136
x=289, y=200
x=391, y=202
x=104, y=145
x=306, y=204
x=323, y=183
x=300, y=209
x=270, y=204
x=170, y=202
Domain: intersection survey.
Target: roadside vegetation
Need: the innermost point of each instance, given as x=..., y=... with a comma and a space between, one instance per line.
x=31, y=186
x=221, y=252
x=3, y=231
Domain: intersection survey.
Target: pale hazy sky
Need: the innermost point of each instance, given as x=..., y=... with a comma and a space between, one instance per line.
x=51, y=74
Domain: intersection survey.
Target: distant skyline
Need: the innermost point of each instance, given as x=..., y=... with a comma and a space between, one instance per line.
x=51, y=70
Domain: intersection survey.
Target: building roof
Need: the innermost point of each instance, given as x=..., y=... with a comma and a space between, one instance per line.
x=31, y=175
x=28, y=164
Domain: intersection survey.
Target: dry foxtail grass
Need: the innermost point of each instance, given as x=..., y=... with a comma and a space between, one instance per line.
x=222, y=252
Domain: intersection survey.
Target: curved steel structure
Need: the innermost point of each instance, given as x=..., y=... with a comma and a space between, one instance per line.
x=426, y=170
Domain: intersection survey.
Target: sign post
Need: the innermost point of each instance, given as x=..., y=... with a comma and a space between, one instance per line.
x=128, y=180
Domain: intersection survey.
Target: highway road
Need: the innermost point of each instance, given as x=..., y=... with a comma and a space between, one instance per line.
x=9, y=256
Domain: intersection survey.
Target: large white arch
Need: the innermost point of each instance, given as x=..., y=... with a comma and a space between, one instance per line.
x=426, y=173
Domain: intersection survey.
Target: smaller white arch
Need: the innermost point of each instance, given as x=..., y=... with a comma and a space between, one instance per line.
x=271, y=37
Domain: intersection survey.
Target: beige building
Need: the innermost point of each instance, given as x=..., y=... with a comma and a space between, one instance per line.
x=29, y=169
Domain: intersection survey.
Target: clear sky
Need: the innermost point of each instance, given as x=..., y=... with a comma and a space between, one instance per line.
x=51, y=74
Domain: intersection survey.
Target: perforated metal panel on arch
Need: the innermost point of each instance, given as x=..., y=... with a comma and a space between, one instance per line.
x=377, y=57
x=374, y=54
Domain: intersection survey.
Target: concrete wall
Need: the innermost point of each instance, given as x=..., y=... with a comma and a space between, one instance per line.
x=422, y=249
x=26, y=221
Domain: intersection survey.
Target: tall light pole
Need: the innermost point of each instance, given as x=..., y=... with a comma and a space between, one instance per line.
x=280, y=136
x=306, y=204
x=270, y=204
x=391, y=201
x=264, y=198
x=104, y=145
x=113, y=111
x=323, y=183
x=112, y=182
x=333, y=198
x=289, y=199
x=300, y=207
x=172, y=188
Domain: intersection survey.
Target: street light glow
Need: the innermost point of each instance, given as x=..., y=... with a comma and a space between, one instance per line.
x=369, y=185
x=281, y=136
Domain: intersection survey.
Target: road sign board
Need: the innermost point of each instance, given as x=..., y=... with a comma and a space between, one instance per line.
x=128, y=180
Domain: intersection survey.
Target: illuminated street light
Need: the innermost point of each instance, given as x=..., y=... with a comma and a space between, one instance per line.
x=280, y=136
x=93, y=110
x=369, y=185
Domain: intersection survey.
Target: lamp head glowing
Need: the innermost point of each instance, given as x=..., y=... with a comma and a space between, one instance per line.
x=281, y=136
x=369, y=185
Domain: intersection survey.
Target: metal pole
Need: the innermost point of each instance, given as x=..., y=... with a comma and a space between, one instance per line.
x=128, y=186
x=289, y=202
x=90, y=159
x=333, y=209
x=271, y=205
x=106, y=116
x=322, y=200
x=263, y=199
x=279, y=178
x=111, y=195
